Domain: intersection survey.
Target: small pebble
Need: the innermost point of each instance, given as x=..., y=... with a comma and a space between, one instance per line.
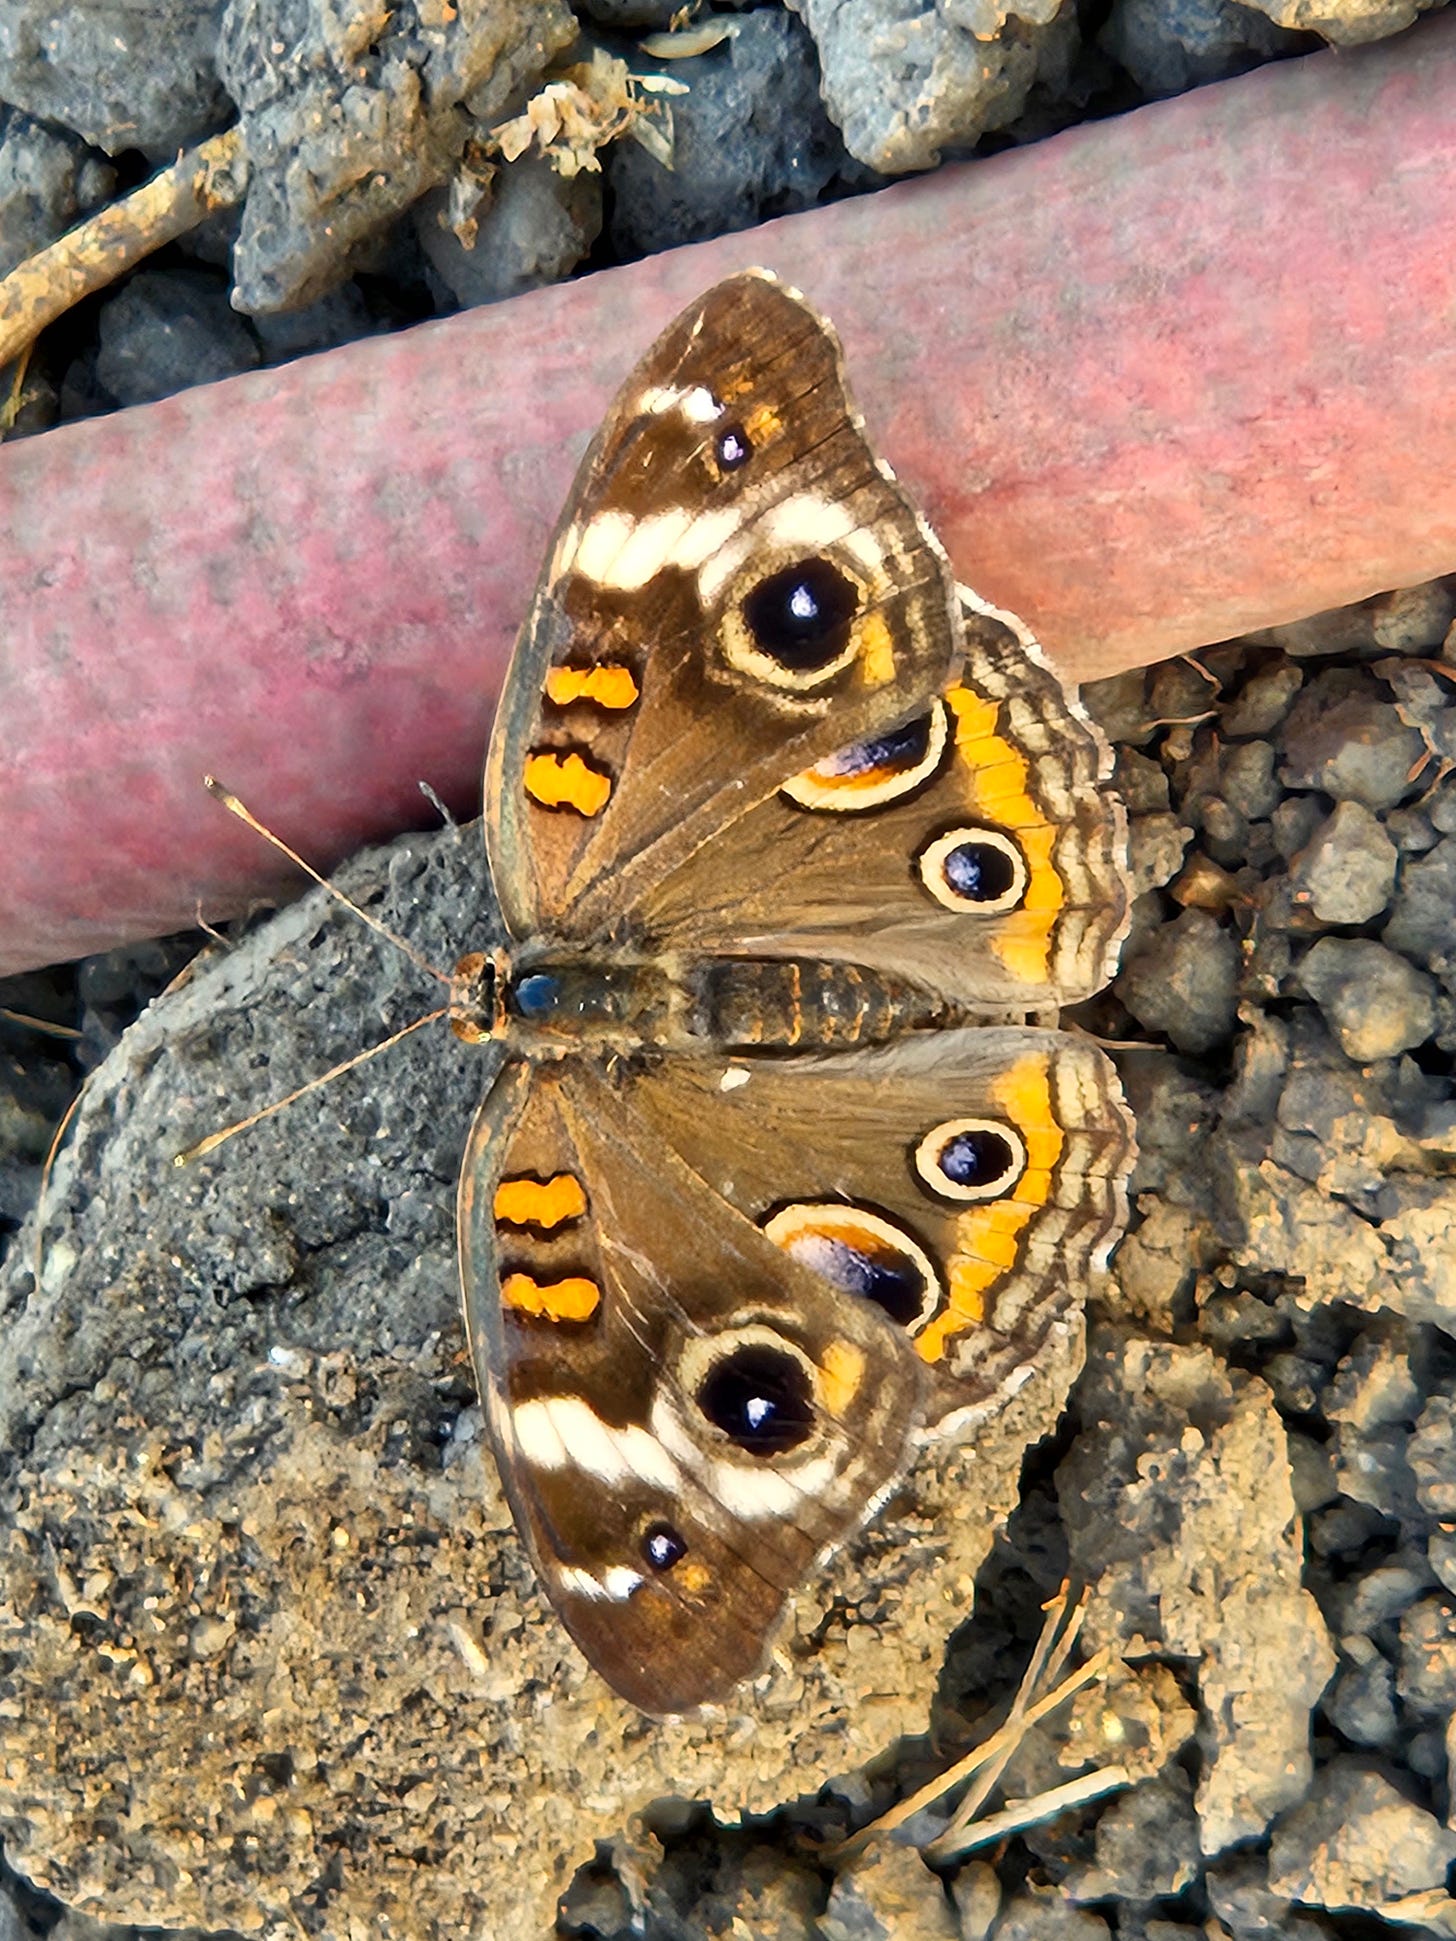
x=1294, y=822
x=167, y=330
x=1346, y=872
x=1360, y=1705
x=1414, y=619
x=1376, y=1003
x=1040, y=1914
x=1182, y=980
x=976, y=1893
x=1141, y=782
x=1247, y=779
x=1146, y=1844
x=1356, y=1841
x=1427, y=1677
x=1119, y=705
x=1344, y=736
x=1264, y=700
x=891, y=1895
x=1423, y=916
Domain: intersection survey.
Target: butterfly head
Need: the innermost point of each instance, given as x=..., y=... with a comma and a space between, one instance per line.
x=477, y=996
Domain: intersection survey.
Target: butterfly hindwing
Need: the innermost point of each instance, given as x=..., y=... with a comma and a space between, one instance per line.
x=738, y=587
x=979, y=850
x=685, y=1417
x=969, y=1181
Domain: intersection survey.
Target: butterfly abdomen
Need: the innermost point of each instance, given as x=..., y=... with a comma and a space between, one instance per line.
x=727, y=1003
x=785, y=1003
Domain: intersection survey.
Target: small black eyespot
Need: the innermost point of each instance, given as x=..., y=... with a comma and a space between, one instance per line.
x=979, y=871
x=801, y=615
x=732, y=448
x=760, y=1398
x=662, y=1547
x=976, y=1159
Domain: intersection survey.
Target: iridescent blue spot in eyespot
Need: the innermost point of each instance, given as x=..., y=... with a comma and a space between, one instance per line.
x=868, y=774
x=978, y=872
x=970, y=1159
x=535, y=996
x=974, y=869
x=901, y=748
x=863, y=1254
x=975, y=1158
x=732, y=448
x=662, y=1546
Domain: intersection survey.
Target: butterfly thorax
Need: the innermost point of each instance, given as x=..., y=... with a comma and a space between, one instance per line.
x=557, y=1000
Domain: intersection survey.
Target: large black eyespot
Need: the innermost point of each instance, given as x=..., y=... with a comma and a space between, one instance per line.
x=800, y=617
x=976, y=1158
x=970, y=1159
x=662, y=1546
x=979, y=872
x=760, y=1398
x=732, y=448
x=974, y=869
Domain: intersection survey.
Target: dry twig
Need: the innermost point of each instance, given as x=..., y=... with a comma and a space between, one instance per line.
x=985, y=1763
x=209, y=177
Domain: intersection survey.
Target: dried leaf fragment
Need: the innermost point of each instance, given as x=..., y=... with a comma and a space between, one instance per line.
x=586, y=106
x=681, y=43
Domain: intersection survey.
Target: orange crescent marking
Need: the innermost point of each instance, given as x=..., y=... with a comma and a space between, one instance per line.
x=609, y=686
x=877, y=649
x=996, y=777
x=566, y=782
x=546, y=1203
x=573, y=1299
x=990, y=1234
x=841, y=1371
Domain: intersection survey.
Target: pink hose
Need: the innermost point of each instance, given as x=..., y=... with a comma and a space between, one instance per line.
x=1157, y=380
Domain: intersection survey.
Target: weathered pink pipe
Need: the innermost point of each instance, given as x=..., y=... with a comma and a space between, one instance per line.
x=1156, y=380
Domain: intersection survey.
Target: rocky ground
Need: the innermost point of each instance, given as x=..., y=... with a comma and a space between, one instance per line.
x=1253, y=1476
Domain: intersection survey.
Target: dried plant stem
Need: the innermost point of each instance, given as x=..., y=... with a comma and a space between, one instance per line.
x=991, y=1756
x=1023, y=1813
x=1059, y=1630
x=209, y=177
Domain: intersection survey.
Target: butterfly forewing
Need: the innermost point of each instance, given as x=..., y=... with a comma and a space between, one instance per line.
x=738, y=587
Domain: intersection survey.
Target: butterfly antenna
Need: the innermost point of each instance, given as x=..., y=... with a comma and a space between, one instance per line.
x=216, y=1139
x=48, y=1168
x=44, y=1025
x=244, y=814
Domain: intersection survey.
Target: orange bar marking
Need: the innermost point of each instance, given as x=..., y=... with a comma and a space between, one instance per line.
x=989, y=1236
x=997, y=780
x=608, y=686
x=545, y=1203
x=567, y=782
x=574, y=1299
